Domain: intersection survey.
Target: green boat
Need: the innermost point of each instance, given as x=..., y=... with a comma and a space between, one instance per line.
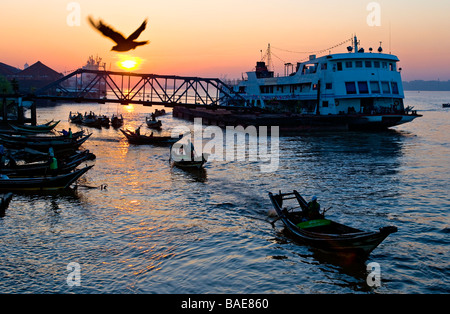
x=42, y=128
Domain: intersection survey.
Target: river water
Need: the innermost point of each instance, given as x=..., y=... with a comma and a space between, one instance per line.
x=159, y=229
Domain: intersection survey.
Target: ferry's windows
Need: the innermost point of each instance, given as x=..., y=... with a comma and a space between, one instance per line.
x=266, y=89
x=351, y=87
x=385, y=87
x=329, y=86
x=323, y=66
x=376, y=64
x=358, y=64
x=339, y=66
x=363, y=88
x=305, y=87
x=375, y=87
x=368, y=64
x=384, y=64
x=392, y=66
x=348, y=64
x=325, y=103
x=394, y=87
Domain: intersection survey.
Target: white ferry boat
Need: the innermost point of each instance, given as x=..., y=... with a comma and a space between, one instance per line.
x=356, y=89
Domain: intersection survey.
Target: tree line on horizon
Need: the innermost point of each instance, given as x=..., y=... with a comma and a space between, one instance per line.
x=421, y=85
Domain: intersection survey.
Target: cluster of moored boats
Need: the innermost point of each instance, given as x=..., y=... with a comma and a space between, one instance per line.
x=34, y=158
x=96, y=121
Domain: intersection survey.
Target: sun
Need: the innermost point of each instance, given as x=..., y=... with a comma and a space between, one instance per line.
x=128, y=63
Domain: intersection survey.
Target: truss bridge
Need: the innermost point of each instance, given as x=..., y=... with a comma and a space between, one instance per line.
x=125, y=88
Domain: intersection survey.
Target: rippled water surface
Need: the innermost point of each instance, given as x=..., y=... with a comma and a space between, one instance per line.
x=158, y=229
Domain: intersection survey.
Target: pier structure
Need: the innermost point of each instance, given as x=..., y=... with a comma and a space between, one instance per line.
x=101, y=86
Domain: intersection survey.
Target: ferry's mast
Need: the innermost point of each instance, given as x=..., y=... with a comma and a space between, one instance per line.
x=268, y=54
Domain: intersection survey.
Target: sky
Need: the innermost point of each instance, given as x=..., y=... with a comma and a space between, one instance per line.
x=225, y=38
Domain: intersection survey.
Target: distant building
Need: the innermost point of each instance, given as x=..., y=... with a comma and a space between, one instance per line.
x=7, y=70
x=34, y=77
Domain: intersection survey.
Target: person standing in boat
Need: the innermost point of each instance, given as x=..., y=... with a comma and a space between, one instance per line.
x=313, y=209
x=2, y=156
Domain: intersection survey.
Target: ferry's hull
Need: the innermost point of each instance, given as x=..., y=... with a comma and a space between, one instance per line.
x=292, y=122
x=380, y=121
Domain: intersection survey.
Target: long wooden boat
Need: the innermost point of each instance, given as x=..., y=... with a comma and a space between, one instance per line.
x=325, y=234
x=192, y=164
x=42, y=128
x=139, y=139
x=92, y=121
x=39, y=138
x=43, y=183
x=57, y=143
x=65, y=165
x=183, y=155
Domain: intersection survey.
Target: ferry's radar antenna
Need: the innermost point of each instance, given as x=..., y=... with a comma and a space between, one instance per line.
x=355, y=43
x=380, y=49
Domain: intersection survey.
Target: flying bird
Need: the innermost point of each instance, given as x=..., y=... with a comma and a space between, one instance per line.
x=123, y=44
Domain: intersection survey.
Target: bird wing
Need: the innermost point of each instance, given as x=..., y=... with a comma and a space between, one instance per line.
x=108, y=31
x=137, y=32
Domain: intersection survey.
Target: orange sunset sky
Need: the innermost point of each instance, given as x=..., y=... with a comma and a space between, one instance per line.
x=215, y=38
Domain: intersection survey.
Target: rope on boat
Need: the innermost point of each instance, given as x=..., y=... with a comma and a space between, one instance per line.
x=317, y=51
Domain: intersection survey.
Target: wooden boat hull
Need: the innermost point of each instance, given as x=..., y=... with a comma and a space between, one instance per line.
x=43, y=145
x=144, y=139
x=116, y=122
x=44, y=128
x=76, y=118
x=43, y=168
x=46, y=183
x=154, y=124
x=190, y=164
x=332, y=237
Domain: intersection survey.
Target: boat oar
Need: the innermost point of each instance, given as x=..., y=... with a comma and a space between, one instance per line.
x=274, y=221
x=325, y=210
x=279, y=217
